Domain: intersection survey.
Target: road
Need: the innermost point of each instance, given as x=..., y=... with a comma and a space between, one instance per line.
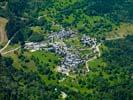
x=109, y=39
x=87, y=66
x=5, y=46
x=10, y=51
x=9, y=41
x=98, y=50
x=93, y=58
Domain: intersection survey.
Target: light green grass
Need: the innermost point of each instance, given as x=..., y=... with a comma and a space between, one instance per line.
x=96, y=63
x=85, y=52
x=124, y=30
x=46, y=57
x=11, y=47
x=17, y=63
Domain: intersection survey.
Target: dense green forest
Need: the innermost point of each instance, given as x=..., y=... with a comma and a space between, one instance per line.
x=92, y=17
x=31, y=76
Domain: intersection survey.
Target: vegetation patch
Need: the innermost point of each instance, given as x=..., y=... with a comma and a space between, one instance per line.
x=3, y=35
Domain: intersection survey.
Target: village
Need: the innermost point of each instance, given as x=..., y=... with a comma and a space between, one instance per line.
x=71, y=60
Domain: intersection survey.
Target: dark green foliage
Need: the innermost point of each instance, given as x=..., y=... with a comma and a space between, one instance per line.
x=36, y=37
x=16, y=7
x=20, y=85
x=120, y=54
x=120, y=67
x=69, y=14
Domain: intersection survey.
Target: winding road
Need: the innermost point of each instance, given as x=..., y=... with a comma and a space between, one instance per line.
x=5, y=46
x=98, y=50
x=11, y=51
x=93, y=58
x=9, y=41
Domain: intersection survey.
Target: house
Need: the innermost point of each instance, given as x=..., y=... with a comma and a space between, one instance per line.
x=87, y=41
x=60, y=35
x=34, y=46
x=59, y=49
x=71, y=61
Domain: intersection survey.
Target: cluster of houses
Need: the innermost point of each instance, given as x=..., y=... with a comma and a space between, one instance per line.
x=58, y=48
x=88, y=41
x=34, y=46
x=60, y=35
x=71, y=60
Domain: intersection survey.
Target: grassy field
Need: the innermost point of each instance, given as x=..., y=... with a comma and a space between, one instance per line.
x=20, y=63
x=11, y=47
x=85, y=52
x=47, y=58
x=75, y=42
x=96, y=63
x=124, y=30
x=3, y=36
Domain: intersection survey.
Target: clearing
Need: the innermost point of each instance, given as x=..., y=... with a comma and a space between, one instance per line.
x=3, y=35
x=124, y=30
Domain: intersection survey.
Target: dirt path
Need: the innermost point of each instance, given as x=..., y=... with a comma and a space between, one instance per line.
x=109, y=39
x=5, y=46
x=87, y=66
x=98, y=50
x=9, y=41
x=93, y=58
x=11, y=51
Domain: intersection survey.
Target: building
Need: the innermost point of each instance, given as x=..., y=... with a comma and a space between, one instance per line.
x=60, y=35
x=87, y=41
x=59, y=49
x=71, y=61
x=34, y=46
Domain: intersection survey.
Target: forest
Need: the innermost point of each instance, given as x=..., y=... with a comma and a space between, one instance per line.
x=92, y=17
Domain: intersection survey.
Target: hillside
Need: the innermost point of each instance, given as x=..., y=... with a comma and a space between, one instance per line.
x=32, y=74
x=3, y=35
x=96, y=18
x=123, y=30
x=66, y=50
